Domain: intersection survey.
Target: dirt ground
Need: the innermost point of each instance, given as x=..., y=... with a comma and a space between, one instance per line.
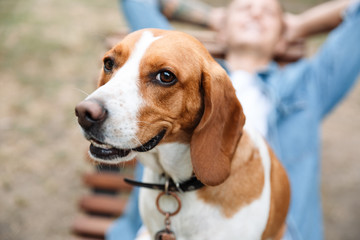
x=50, y=55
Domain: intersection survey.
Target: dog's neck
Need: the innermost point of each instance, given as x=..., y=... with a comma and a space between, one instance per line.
x=171, y=159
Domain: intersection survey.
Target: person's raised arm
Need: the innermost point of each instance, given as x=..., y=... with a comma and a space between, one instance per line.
x=336, y=66
x=193, y=11
x=141, y=14
x=319, y=19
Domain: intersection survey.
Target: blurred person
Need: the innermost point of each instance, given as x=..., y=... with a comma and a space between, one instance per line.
x=286, y=104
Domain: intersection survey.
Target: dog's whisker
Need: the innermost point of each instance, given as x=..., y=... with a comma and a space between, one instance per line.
x=123, y=164
x=137, y=140
x=82, y=91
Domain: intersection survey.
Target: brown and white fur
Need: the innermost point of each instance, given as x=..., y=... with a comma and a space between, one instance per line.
x=246, y=193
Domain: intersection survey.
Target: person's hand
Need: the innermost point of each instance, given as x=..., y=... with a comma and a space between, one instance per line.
x=216, y=18
x=291, y=46
x=292, y=24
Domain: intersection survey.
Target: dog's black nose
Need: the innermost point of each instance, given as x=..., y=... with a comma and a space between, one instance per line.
x=89, y=113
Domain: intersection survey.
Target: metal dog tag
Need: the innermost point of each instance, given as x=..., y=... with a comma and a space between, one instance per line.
x=165, y=235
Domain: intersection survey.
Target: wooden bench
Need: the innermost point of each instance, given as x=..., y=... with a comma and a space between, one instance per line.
x=106, y=200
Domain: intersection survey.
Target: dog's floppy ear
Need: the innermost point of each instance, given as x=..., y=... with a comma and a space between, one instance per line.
x=215, y=138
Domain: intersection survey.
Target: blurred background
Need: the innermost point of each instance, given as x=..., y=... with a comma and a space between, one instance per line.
x=50, y=57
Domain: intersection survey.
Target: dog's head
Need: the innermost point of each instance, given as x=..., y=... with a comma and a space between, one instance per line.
x=163, y=86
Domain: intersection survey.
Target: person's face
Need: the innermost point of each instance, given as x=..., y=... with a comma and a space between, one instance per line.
x=253, y=23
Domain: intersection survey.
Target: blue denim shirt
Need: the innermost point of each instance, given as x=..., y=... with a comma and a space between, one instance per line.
x=302, y=94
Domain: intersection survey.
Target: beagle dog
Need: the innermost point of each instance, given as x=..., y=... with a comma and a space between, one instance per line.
x=163, y=99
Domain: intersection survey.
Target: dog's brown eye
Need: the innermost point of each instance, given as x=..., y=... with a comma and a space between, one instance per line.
x=108, y=64
x=166, y=77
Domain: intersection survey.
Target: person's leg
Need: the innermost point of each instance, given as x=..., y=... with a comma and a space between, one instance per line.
x=144, y=14
x=127, y=226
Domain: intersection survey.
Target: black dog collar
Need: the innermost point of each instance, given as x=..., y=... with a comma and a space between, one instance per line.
x=190, y=185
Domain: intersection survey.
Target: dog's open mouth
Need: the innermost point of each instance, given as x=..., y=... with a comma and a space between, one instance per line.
x=107, y=152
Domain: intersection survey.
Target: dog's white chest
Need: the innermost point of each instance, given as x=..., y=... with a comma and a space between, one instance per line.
x=199, y=220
